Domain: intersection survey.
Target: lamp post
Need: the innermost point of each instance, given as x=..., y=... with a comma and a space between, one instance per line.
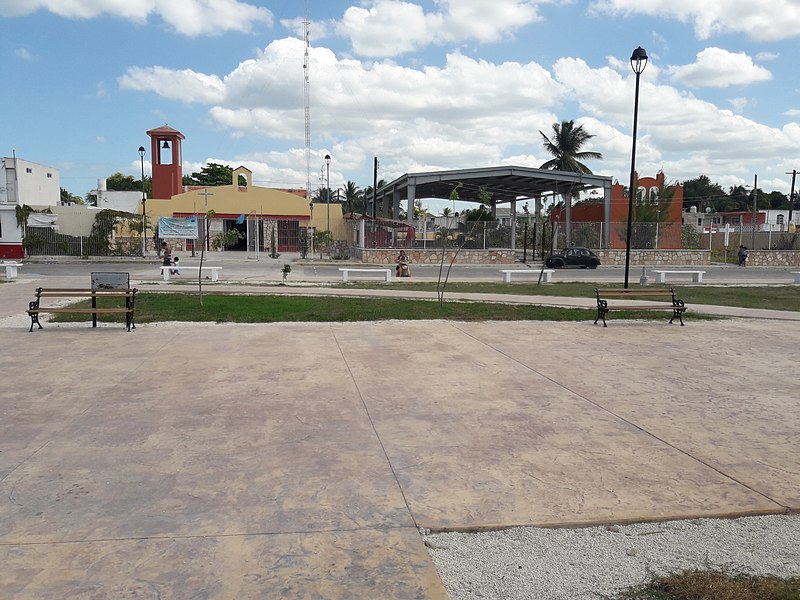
x=144, y=200
x=310, y=230
x=638, y=63
x=328, y=188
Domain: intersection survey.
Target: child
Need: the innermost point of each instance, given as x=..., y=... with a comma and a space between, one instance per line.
x=175, y=271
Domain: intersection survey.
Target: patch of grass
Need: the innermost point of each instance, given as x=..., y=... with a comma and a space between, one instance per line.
x=224, y=308
x=715, y=585
x=783, y=297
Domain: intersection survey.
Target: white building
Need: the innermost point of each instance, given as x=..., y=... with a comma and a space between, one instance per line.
x=114, y=200
x=23, y=182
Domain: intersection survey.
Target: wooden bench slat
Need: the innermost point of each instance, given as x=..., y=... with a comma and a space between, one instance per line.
x=34, y=307
x=676, y=305
x=87, y=311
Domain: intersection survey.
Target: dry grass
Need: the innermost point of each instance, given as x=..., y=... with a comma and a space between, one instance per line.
x=716, y=585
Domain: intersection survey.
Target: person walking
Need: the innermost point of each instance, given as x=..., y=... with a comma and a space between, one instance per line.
x=742, y=256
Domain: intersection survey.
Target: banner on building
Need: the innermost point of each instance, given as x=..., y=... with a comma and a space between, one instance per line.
x=169, y=227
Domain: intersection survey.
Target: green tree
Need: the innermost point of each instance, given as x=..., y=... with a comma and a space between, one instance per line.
x=213, y=174
x=702, y=192
x=66, y=197
x=123, y=183
x=354, y=200
x=565, y=148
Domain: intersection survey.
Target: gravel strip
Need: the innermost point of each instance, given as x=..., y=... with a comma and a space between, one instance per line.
x=598, y=562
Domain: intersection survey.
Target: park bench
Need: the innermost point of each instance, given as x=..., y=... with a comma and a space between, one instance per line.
x=547, y=274
x=697, y=276
x=165, y=270
x=387, y=273
x=129, y=295
x=676, y=306
x=11, y=269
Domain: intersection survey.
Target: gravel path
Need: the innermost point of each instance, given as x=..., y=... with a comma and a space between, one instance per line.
x=582, y=564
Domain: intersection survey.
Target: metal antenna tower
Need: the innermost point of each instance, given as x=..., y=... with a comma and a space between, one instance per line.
x=307, y=104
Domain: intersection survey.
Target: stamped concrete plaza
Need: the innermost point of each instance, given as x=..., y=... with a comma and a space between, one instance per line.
x=299, y=460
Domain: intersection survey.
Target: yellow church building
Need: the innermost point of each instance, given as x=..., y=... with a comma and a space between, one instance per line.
x=263, y=216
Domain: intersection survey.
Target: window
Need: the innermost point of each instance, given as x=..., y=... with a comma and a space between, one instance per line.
x=779, y=220
x=28, y=170
x=49, y=175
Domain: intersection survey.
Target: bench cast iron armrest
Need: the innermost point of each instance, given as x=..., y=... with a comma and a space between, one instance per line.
x=35, y=307
x=676, y=305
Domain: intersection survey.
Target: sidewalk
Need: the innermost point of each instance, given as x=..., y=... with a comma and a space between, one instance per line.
x=297, y=460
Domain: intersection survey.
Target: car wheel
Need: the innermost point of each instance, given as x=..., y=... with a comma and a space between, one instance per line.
x=593, y=265
x=557, y=264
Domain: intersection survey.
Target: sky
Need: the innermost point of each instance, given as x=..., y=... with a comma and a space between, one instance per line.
x=422, y=85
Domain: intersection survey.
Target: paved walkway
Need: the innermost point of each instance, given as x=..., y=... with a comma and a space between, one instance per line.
x=298, y=460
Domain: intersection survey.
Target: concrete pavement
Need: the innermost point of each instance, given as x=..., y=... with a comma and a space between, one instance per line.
x=298, y=460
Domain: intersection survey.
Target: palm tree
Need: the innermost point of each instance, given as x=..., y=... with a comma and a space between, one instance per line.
x=354, y=198
x=565, y=147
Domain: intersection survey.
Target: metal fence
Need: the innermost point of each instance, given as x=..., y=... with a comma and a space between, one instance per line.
x=45, y=241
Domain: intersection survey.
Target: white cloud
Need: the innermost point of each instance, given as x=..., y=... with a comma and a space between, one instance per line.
x=678, y=133
x=187, y=17
x=393, y=27
x=738, y=104
x=25, y=54
x=185, y=85
x=465, y=113
x=719, y=68
x=763, y=20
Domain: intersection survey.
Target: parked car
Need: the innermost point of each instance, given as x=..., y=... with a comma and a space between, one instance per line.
x=573, y=257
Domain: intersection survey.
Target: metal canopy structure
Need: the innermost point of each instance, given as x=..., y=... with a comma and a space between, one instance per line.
x=507, y=184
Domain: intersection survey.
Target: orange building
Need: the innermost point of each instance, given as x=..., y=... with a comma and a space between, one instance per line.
x=655, y=207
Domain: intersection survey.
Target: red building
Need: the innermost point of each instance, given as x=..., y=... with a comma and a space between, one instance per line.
x=663, y=210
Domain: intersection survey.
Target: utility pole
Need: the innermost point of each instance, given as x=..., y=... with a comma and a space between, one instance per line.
x=755, y=211
x=791, y=198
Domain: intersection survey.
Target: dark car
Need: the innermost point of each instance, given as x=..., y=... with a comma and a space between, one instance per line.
x=573, y=257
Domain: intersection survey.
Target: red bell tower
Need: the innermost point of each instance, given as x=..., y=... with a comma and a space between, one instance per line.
x=165, y=151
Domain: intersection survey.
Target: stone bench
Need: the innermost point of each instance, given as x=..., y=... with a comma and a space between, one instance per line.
x=697, y=276
x=11, y=269
x=165, y=271
x=547, y=274
x=347, y=270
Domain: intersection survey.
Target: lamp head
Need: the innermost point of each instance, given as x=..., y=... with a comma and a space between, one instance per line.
x=327, y=159
x=639, y=60
x=141, y=151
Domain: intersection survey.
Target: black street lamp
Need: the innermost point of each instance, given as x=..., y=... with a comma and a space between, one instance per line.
x=638, y=63
x=328, y=188
x=144, y=200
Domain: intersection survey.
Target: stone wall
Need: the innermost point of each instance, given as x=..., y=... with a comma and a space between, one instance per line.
x=654, y=258
x=773, y=258
x=649, y=258
x=382, y=256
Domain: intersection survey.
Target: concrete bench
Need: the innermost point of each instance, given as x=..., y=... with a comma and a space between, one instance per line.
x=346, y=270
x=697, y=276
x=796, y=276
x=547, y=274
x=165, y=270
x=11, y=269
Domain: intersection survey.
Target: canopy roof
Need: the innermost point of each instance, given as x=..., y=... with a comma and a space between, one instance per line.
x=504, y=184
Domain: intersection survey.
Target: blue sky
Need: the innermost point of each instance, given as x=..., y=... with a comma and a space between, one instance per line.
x=423, y=85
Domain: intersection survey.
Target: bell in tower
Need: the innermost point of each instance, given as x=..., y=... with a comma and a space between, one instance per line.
x=165, y=150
